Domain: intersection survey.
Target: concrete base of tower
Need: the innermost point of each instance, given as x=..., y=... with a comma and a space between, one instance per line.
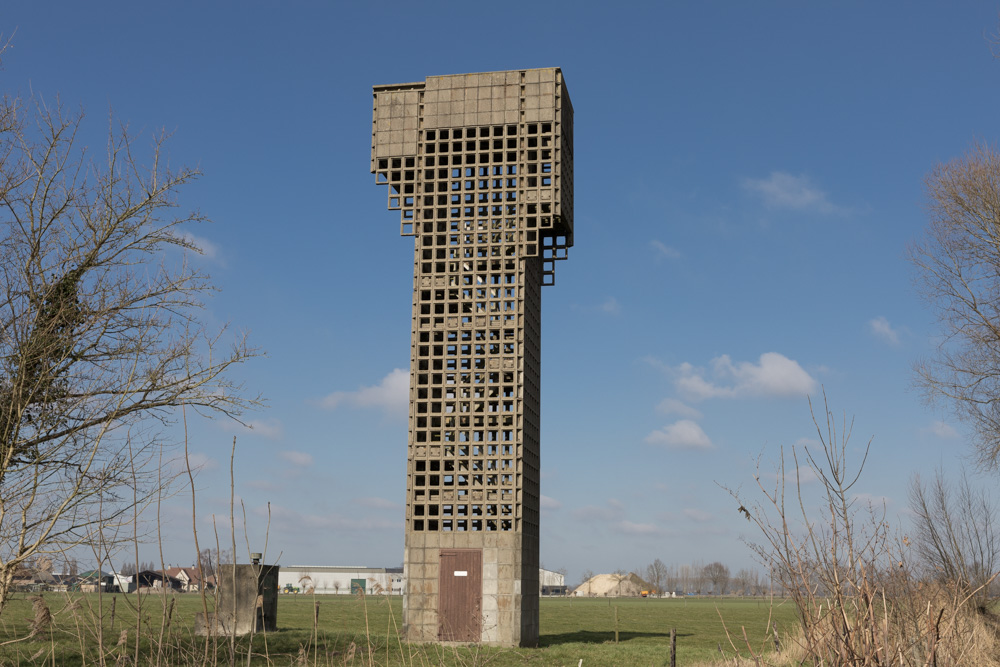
x=477, y=588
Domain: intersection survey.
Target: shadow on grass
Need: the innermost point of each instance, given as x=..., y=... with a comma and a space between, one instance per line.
x=604, y=637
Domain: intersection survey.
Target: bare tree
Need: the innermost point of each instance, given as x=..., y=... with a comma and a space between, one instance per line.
x=747, y=581
x=100, y=339
x=621, y=574
x=563, y=571
x=656, y=575
x=740, y=582
x=585, y=578
x=211, y=559
x=718, y=575
x=953, y=534
x=686, y=578
x=698, y=581
x=208, y=561
x=958, y=271
x=670, y=579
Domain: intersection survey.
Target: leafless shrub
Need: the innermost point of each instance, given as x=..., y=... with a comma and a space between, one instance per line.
x=954, y=538
x=859, y=598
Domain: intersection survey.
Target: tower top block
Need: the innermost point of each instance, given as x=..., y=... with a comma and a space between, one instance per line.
x=519, y=122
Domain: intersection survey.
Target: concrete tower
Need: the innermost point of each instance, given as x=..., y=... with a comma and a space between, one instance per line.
x=480, y=167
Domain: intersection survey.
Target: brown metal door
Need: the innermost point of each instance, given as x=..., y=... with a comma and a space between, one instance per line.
x=460, y=595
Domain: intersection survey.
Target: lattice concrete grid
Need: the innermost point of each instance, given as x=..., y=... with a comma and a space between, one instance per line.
x=480, y=167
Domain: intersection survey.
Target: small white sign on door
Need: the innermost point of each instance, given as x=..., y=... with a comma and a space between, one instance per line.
x=461, y=573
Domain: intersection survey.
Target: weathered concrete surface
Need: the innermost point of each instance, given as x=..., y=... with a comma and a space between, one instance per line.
x=246, y=601
x=480, y=167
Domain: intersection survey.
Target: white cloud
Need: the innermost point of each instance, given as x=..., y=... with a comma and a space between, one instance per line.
x=773, y=375
x=204, y=246
x=377, y=503
x=664, y=250
x=872, y=501
x=392, y=395
x=263, y=485
x=612, y=517
x=287, y=520
x=782, y=190
x=270, y=429
x=672, y=406
x=632, y=528
x=701, y=516
x=943, y=430
x=800, y=475
x=880, y=327
x=803, y=474
x=297, y=458
x=610, y=306
x=198, y=462
x=684, y=434
x=592, y=513
x=547, y=503
x=657, y=364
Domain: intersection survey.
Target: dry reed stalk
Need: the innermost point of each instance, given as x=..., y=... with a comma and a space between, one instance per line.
x=42, y=616
x=232, y=533
x=194, y=532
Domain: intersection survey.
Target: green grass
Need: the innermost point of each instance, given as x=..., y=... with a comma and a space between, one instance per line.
x=571, y=629
x=585, y=628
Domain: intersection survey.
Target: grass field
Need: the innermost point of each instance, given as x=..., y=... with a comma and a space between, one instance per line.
x=359, y=631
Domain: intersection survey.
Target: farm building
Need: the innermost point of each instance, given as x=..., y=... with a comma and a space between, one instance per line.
x=347, y=580
x=551, y=583
x=337, y=580
x=93, y=580
x=189, y=578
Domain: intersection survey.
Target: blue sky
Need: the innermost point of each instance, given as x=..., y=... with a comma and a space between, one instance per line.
x=748, y=176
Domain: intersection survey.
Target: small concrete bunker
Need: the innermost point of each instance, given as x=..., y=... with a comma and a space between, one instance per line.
x=247, y=601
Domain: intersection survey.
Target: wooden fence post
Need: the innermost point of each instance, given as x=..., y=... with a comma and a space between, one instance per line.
x=616, y=624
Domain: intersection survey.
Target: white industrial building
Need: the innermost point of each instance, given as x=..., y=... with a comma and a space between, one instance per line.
x=348, y=580
x=551, y=583
x=341, y=580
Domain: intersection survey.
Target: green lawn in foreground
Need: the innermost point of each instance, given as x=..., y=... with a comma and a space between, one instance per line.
x=571, y=629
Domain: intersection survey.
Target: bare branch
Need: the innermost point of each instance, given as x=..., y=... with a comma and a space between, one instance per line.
x=100, y=335
x=958, y=273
